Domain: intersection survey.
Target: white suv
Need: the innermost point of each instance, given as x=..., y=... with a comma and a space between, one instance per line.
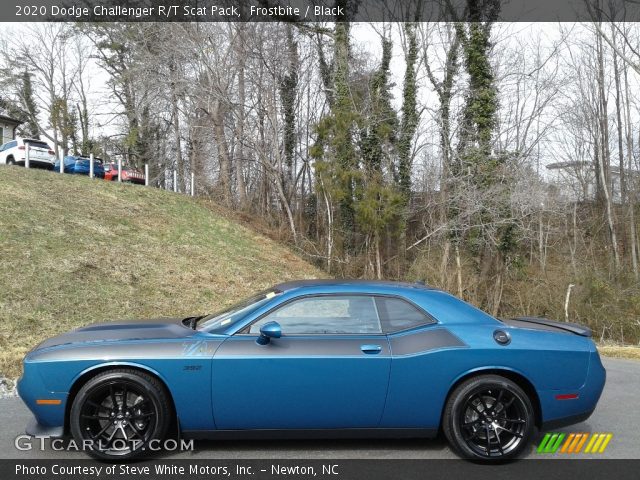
x=40, y=154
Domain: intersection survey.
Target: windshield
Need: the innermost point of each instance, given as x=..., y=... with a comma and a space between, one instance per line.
x=219, y=322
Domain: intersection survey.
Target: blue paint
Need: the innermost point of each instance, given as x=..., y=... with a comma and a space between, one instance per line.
x=226, y=380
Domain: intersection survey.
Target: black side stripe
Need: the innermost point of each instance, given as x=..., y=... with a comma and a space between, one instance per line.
x=419, y=342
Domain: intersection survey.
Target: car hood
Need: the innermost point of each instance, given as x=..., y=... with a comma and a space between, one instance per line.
x=159, y=328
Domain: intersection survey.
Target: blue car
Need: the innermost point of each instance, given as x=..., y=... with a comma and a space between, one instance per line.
x=317, y=357
x=80, y=166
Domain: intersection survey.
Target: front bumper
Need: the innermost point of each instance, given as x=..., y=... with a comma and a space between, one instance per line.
x=48, y=418
x=35, y=429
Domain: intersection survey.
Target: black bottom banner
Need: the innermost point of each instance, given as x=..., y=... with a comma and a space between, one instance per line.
x=317, y=469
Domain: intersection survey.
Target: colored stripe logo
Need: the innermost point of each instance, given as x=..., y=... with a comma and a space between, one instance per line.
x=574, y=443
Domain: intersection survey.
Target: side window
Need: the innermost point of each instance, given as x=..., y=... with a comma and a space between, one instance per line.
x=11, y=145
x=397, y=314
x=325, y=314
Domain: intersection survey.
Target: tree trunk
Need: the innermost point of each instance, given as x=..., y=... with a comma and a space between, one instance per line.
x=631, y=198
x=287, y=208
x=175, y=123
x=239, y=159
x=378, y=261
x=603, y=164
x=224, y=160
x=327, y=202
x=541, y=242
x=444, y=263
x=458, y=271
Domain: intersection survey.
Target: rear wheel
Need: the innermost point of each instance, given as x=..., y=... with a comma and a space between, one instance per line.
x=118, y=412
x=488, y=418
x=10, y=161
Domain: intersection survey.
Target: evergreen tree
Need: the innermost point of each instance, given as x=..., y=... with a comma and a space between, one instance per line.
x=409, y=113
x=481, y=103
x=30, y=128
x=334, y=150
x=288, y=93
x=24, y=108
x=485, y=172
x=378, y=138
x=356, y=152
x=379, y=202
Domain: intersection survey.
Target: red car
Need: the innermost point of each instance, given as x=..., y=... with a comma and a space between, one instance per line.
x=110, y=173
x=129, y=174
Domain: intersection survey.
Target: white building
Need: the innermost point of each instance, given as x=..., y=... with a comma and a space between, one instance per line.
x=578, y=180
x=8, y=127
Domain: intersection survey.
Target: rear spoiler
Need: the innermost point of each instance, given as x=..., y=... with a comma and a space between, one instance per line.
x=552, y=325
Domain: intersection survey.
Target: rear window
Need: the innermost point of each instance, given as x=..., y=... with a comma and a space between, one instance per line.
x=397, y=314
x=38, y=144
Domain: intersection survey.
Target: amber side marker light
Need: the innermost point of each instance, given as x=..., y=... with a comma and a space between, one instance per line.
x=44, y=401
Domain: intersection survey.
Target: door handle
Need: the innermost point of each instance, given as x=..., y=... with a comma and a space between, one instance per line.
x=371, y=348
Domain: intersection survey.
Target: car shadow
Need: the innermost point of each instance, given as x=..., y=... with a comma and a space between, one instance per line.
x=284, y=449
x=315, y=449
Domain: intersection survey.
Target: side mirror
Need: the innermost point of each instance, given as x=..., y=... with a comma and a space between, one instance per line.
x=268, y=331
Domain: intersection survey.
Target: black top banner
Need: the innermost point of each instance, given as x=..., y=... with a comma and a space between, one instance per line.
x=318, y=10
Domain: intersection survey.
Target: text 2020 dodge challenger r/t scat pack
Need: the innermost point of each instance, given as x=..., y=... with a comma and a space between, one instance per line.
x=317, y=357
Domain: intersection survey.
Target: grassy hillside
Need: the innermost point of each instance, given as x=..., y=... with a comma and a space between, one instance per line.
x=75, y=251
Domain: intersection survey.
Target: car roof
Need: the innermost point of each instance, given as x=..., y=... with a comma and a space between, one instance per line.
x=82, y=157
x=329, y=282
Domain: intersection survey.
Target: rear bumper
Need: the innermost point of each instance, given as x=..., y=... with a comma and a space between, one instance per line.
x=96, y=173
x=35, y=163
x=566, y=421
x=139, y=181
x=559, y=412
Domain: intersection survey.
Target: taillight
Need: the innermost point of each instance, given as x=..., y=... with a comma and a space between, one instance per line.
x=21, y=147
x=51, y=152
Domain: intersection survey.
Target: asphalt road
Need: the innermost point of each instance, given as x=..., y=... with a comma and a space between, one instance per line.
x=617, y=412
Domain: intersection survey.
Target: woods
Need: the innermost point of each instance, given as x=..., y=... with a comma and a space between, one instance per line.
x=497, y=161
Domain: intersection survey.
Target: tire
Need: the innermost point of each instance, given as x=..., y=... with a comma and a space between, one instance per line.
x=120, y=432
x=11, y=161
x=488, y=418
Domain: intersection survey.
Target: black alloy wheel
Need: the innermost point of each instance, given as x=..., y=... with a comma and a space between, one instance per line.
x=489, y=418
x=117, y=413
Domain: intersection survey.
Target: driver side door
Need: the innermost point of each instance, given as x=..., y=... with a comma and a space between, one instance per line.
x=330, y=368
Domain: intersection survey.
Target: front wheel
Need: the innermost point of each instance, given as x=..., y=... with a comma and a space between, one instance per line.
x=117, y=413
x=488, y=418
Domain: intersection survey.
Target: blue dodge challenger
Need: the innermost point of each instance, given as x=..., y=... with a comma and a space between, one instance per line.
x=316, y=358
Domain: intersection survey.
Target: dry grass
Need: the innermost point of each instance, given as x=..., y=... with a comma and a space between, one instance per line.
x=618, y=351
x=76, y=251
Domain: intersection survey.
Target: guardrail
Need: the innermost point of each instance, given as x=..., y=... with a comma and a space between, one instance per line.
x=191, y=188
